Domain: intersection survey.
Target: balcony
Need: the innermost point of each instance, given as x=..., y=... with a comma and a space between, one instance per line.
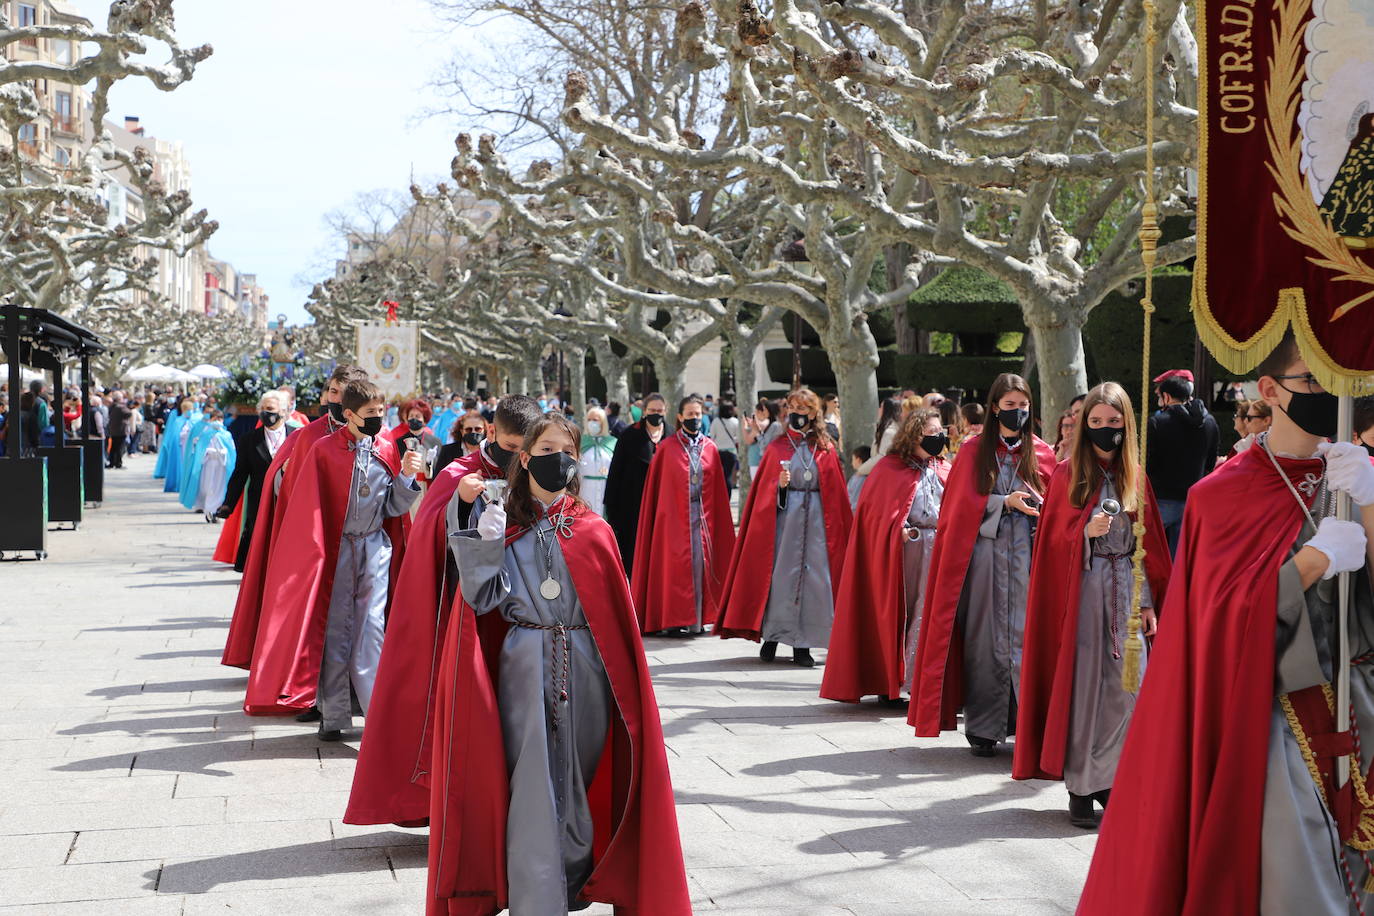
x=27, y=149
x=65, y=124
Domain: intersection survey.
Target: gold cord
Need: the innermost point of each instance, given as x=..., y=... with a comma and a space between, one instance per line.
x=1149, y=239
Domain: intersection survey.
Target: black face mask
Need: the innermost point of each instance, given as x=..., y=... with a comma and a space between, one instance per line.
x=1107, y=438
x=269, y=417
x=552, y=472
x=654, y=419
x=1368, y=448
x=692, y=425
x=499, y=456
x=473, y=439
x=1315, y=414
x=935, y=445
x=415, y=425
x=336, y=413
x=798, y=421
x=1013, y=421
x=371, y=426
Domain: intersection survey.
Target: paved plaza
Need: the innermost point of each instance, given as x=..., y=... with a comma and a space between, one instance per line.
x=134, y=783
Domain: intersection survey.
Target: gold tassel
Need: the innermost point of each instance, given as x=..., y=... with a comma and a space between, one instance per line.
x=1369, y=884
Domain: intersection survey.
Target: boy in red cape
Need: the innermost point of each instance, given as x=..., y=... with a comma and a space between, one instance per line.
x=243, y=626
x=391, y=782
x=1074, y=710
x=1215, y=808
x=969, y=652
x=878, y=608
x=550, y=784
x=686, y=532
x=327, y=591
x=796, y=521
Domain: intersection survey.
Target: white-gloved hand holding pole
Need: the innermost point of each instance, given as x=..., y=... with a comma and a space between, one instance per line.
x=492, y=525
x=1343, y=543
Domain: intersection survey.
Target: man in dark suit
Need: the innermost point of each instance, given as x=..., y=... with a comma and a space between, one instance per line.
x=118, y=429
x=255, y=453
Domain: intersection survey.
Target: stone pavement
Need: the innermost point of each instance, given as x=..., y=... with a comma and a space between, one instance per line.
x=134, y=784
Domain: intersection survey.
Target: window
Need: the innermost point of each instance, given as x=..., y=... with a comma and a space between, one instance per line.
x=62, y=52
x=62, y=118
x=28, y=16
x=62, y=155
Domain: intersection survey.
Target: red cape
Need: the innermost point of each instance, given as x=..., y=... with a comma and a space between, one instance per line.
x=937, y=690
x=243, y=626
x=1049, y=648
x=1182, y=834
x=662, y=587
x=286, y=657
x=391, y=782
x=638, y=851
x=865, y=657
x=746, y=587
x=227, y=547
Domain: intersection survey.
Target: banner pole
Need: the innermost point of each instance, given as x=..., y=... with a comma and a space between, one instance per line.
x=1345, y=422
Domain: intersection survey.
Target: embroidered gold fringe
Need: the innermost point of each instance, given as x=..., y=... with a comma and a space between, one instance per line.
x=1363, y=838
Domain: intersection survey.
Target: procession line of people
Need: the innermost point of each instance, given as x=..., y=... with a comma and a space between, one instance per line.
x=494, y=642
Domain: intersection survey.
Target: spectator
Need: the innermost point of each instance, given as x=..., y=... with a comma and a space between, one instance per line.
x=1063, y=443
x=1253, y=418
x=133, y=426
x=889, y=419
x=615, y=425
x=725, y=433
x=28, y=423
x=40, y=403
x=759, y=430
x=597, y=448
x=118, y=426
x=952, y=419
x=1240, y=420
x=1183, y=447
x=973, y=420
x=1364, y=424
x=857, y=459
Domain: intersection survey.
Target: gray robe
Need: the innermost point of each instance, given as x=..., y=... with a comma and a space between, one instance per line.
x=357, y=602
x=693, y=446
x=555, y=705
x=992, y=609
x=1101, y=708
x=922, y=517
x=1300, y=868
x=801, y=608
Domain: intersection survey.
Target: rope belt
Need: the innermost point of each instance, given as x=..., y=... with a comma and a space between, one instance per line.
x=359, y=537
x=561, y=646
x=1115, y=629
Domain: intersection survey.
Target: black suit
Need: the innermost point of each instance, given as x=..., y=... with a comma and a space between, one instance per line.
x=625, y=488
x=250, y=470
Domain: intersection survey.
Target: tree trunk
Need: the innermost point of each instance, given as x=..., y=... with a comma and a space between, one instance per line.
x=577, y=380
x=534, y=372
x=854, y=357
x=895, y=260
x=1058, y=338
x=670, y=371
x=614, y=369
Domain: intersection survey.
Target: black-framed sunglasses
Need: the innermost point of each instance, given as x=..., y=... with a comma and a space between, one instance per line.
x=1308, y=383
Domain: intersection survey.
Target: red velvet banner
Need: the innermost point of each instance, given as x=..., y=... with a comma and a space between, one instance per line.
x=1286, y=184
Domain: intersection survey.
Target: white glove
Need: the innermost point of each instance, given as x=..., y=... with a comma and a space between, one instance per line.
x=1343, y=543
x=1349, y=470
x=492, y=525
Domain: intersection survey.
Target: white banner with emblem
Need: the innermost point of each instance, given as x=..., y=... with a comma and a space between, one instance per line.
x=390, y=354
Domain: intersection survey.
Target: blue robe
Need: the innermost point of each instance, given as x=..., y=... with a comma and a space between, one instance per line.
x=188, y=450
x=171, y=446
x=190, y=492
x=442, y=422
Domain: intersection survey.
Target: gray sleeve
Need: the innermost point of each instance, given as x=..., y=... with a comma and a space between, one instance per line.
x=481, y=570
x=403, y=492
x=1297, y=664
x=992, y=516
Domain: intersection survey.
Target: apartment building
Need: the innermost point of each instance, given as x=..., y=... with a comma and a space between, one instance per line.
x=60, y=136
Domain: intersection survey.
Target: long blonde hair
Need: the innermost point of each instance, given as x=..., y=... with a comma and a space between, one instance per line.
x=1086, y=468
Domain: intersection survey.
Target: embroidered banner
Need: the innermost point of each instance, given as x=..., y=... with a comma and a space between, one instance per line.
x=1286, y=184
x=390, y=354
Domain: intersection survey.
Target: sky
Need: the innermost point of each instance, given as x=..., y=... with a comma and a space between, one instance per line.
x=304, y=104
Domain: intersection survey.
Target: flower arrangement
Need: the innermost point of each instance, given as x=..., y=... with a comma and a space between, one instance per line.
x=244, y=387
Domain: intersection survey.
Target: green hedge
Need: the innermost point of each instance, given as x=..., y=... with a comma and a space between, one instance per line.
x=816, y=371
x=933, y=372
x=880, y=323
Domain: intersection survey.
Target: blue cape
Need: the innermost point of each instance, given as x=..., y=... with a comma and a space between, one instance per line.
x=171, y=445
x=442, y=422
x=196, y=461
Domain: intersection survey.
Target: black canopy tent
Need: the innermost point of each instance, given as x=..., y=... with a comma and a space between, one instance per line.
x=41, y=484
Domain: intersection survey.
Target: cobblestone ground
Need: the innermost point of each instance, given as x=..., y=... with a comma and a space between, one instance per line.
x=134, y=784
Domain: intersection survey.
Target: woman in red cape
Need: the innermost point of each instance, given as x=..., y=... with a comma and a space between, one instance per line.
x=1073, y=711
x=801, y=543
x=285, y=670
x=391, y=781
x=991, y=489
x=878, y=606
x=663, y=584
x=491, y=770
x=415, y=414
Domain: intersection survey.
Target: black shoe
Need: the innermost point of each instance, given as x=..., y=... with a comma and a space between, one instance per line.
x=802, y=658
x=981, y=747
x=310, y=715
x=768, y=651
x=578, y=905
x=1081, y=812
x=1101, y=797
x=330, y=734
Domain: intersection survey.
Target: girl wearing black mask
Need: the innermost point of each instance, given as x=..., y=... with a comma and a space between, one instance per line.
x=878, y=611
x=797, y=520
x=1073, y=709
x=975, y=606
x=540, y=578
